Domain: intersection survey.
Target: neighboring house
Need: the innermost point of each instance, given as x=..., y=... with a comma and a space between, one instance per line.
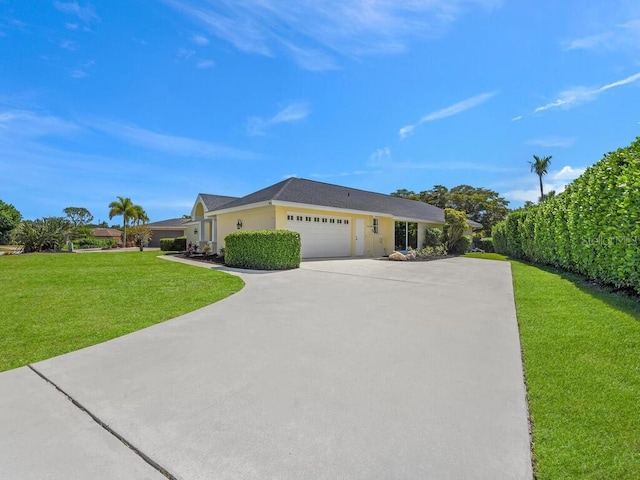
x=112, y=233
x=172, y=228
x=333, y=221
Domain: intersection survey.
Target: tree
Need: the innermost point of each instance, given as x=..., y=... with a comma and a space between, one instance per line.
x=540, y=167
x=482, y=205
x=404, y=193
x=141, y=235
x=79, y=216
x=10, y=218
x=454, y=227
x=437, y=196
x=43, y=234
x=125, y=207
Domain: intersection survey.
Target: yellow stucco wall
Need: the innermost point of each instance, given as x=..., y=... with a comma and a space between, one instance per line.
x=261, y=218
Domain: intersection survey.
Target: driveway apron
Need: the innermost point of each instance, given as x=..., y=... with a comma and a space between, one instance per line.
x=344, y=369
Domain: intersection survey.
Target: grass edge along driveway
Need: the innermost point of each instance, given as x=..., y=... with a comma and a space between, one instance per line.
x=581, y=352
x=57, y=303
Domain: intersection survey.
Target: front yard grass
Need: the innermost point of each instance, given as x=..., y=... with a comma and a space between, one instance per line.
x=581, y=350
x=56, y=303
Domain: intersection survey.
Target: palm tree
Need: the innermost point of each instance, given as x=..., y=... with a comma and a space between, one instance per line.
x=125, y=207
x=540, y=166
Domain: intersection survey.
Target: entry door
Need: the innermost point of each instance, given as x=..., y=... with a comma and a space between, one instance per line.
x=359, y=237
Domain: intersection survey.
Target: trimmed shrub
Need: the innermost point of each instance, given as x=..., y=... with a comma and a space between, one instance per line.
x=263, y=249
x=485, y=244
x=592, y=228
x=92, y=242
x=461, y=246
x=178, y=244
x=433, y=237
x=454, y=227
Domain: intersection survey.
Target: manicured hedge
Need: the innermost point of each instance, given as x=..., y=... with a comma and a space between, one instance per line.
x=178, y=244
x=592, y=228
x=263, y=249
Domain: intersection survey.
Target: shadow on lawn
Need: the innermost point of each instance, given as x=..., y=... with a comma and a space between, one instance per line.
x=626, y=300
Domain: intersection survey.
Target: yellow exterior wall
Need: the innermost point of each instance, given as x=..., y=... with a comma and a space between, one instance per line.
x=261, y=218
x=422, y=227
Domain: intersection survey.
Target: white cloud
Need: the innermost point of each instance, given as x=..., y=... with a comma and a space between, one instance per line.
x=205, y=64
x=569, y=173
x=295, y=112
x=591, y=41
x=26, y=124
x=71, y=26
x=86, y=14
x=170, y=144
x=557, y=181
x=515, y=119
x=449, y=111
x=579, y=95
x=68, y=45
x=552, y=141
x=313, y=33
x=380, y=156
x=82, y=70
x=185, y=54
x=200, y=40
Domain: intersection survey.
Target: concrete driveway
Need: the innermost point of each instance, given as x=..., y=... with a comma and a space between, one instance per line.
x=349, y=369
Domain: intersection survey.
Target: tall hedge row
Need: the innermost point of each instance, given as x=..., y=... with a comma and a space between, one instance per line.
x=592, y=228
x=263, y=249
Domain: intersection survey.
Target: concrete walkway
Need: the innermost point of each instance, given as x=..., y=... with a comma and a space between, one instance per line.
x=349, y=369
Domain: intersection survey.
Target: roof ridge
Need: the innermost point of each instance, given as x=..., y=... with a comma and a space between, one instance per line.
x=285, y=184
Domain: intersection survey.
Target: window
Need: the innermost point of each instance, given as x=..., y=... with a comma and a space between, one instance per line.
x=316, y=219
x=324, y=220
x=346, y=222
x=299, y=218
x=340, y=221
x=289, y=217
x=307, y=219
x=332, y=220
x=375, y=226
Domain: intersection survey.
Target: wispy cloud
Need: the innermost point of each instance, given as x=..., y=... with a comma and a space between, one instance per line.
x=87, y=13
x=552, y=141
x=515, y=119
x=169, y=144
x=579, y=95
x=307, y=30
x=619, y=37
x=26, y=124
x=557, y=181
x=200, y=40
x=449, y=111
x=293, y=113
x=344, y=174
x=82, y=70
x=205, y=64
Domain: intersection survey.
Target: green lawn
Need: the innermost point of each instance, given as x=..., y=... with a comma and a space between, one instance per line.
x=581, y=348
x=56, y=303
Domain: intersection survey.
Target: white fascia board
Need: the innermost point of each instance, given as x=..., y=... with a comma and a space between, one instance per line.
x=294, y=205
x=417, y=220
x=237, y=209
x=182, y=227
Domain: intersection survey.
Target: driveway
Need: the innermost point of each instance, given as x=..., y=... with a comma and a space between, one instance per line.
x=348, y=369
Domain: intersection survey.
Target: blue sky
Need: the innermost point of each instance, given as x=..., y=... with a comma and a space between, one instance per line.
x=160, y=100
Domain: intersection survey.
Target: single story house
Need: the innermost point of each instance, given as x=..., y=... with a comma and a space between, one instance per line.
x=112, y=233
x=171, y=228
x=333, y=220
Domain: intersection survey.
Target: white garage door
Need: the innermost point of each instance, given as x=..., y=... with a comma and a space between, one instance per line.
x=321, y=236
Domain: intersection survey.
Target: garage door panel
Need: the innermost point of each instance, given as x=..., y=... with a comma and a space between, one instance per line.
x=321, y=239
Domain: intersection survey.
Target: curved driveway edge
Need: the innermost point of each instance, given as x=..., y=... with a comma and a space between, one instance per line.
x=354, y=369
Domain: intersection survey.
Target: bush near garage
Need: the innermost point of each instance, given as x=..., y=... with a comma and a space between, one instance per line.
x=263, y=249
x=592, y=228
x=178, y=244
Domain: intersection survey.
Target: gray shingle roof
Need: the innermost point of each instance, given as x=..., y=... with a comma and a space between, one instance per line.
x=300, y=190
x=214, y=202
x=170, y=223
